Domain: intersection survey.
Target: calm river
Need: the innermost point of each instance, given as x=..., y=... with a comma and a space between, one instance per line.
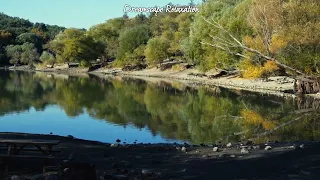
x=150, y=112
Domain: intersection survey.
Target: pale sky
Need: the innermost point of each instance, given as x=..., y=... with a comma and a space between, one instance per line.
x=75, y=13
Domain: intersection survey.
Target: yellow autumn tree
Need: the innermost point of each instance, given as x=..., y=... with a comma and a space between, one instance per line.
x=250, y=70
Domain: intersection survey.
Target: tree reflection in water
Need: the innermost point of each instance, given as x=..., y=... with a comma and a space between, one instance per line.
x=173, y=110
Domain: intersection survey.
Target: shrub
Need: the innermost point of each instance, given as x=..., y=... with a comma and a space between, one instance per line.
x=252, y=71
x=47, y=58
x=270, y=66
x=84, y=63
x=178, y=67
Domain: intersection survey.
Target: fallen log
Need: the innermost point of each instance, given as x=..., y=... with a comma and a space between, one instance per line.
x=223, y=73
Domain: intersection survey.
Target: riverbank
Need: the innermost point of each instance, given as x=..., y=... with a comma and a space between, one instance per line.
x=244, y=160
x=281, y=86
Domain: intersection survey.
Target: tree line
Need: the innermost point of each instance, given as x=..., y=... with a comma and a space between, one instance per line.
x=22, y=42
x=257, y=37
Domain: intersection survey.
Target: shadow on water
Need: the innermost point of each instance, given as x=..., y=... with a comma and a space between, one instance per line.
x=171, y=109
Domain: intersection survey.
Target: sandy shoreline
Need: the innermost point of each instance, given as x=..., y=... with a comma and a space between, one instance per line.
x=243, y=160
x=278, y=86
x=281, y=86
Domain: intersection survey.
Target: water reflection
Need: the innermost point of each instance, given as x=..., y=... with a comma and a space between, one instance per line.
x=167, y=110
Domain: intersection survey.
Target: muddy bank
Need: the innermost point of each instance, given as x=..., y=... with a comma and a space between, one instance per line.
x=243, y=160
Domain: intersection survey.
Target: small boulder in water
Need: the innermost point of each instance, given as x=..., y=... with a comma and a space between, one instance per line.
x=215, y=149
x=229, y=145
x=244, y=151
x=184, y=149
x=146, y=172
x=114, y=145
x=66, y=170
x=267, y=148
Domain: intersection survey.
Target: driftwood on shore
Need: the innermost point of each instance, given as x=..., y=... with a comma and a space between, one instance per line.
x=167, y=65
x=221, y=73
x=134, y=67
x=306, y=86
x=224, y=73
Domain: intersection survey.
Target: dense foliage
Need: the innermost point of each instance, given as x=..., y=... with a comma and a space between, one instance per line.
x=73, y=45
x=22, y=42
x=286, y=30
x=156, y=51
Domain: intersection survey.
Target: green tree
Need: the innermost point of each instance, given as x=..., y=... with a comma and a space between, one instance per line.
x=141, y=19
x=31, y=38
x=230, y=14
x=48, y=58
x=26, y=53
x=29, y=54
x=74, y=45
x=53, y=30
x=14, y=53
x=189, y=50
x=131, y=39
x=108, y=34
x=156, y=50
x=298, y=41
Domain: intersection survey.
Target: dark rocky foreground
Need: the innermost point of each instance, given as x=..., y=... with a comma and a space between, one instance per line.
x=82, y=160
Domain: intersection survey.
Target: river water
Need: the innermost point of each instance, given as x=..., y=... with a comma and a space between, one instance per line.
x=135, y=110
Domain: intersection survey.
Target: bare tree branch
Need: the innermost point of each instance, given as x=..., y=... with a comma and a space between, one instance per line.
x=217, y=25
x=224, y=49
